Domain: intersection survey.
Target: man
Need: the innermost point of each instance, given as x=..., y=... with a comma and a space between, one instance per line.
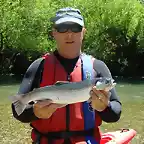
x=77, y=123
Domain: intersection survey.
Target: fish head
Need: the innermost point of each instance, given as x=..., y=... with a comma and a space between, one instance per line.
x=106, y=80
x=105, y=83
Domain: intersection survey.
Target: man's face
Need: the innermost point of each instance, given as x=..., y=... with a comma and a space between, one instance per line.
x=69, y=37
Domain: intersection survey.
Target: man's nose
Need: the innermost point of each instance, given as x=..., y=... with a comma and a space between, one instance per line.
x=69, y=33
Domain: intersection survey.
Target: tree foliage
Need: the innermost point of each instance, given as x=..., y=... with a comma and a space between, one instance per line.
x=115, y=31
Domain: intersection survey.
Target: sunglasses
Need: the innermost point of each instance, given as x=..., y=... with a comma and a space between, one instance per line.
x=62, y=28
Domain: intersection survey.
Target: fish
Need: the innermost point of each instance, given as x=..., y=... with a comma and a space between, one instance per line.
x=62, y=92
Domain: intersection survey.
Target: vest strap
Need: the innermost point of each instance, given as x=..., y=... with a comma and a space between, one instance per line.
x=65, y=134
x=89, y=115
x=61, y=135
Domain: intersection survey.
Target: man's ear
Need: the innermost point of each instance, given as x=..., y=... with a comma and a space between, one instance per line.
x=84, y=31
x=51, y=34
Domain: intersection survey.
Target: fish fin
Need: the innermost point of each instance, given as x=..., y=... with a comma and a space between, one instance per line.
x=19, y=107
x=61, y=82
x=113, y=85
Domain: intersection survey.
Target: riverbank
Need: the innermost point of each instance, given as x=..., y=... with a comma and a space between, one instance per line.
x=131, y=95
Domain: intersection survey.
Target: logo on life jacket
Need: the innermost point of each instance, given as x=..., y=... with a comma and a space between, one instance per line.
x=88, y=76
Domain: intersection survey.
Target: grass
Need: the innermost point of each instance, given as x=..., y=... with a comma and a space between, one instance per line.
x=132, y=97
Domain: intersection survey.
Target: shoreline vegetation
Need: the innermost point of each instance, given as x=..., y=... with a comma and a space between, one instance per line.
x=13, y=79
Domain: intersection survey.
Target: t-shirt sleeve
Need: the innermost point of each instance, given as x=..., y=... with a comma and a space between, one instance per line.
x=113, y=112
x=30, y=81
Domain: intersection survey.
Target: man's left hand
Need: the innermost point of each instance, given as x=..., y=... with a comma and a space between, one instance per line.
x=99, y=99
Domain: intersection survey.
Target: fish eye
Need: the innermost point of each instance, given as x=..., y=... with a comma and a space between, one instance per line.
x=107, y=81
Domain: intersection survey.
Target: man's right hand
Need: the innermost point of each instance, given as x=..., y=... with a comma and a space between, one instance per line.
x=44, y=109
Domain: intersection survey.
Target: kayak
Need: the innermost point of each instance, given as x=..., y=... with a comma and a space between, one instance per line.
x=123, y=136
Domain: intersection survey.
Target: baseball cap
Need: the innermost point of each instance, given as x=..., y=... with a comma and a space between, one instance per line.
x=68, y=14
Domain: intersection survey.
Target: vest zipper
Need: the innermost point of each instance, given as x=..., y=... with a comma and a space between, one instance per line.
x=67, y=141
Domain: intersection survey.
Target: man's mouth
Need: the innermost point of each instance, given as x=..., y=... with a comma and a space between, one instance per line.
x=70, y=42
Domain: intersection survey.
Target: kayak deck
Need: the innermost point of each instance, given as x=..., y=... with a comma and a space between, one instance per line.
x=123, y=136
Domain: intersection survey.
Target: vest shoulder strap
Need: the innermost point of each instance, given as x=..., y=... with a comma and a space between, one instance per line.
x=89, y=115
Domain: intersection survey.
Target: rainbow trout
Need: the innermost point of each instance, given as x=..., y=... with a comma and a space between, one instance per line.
x=62, y=92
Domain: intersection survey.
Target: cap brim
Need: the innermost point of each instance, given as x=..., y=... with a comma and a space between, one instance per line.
x=70, y=19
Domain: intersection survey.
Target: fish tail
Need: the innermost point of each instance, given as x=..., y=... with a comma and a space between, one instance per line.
x=18, y=104
x=19, y=107
x=14, y=98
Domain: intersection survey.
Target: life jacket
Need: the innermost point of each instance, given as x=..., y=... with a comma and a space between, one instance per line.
x=78, y=118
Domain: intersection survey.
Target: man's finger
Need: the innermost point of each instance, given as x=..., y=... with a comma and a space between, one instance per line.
x=106, y=93
x=58, y=105
x=94, y=89
x=43, y=103
x=100, y=92
x=98, y=95
x=94, y=95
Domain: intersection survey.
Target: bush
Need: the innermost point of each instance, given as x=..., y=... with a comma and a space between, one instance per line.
x=115, y=30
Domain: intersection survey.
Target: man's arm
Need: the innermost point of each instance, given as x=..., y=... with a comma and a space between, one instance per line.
x=113, y=112
x=30, y=81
